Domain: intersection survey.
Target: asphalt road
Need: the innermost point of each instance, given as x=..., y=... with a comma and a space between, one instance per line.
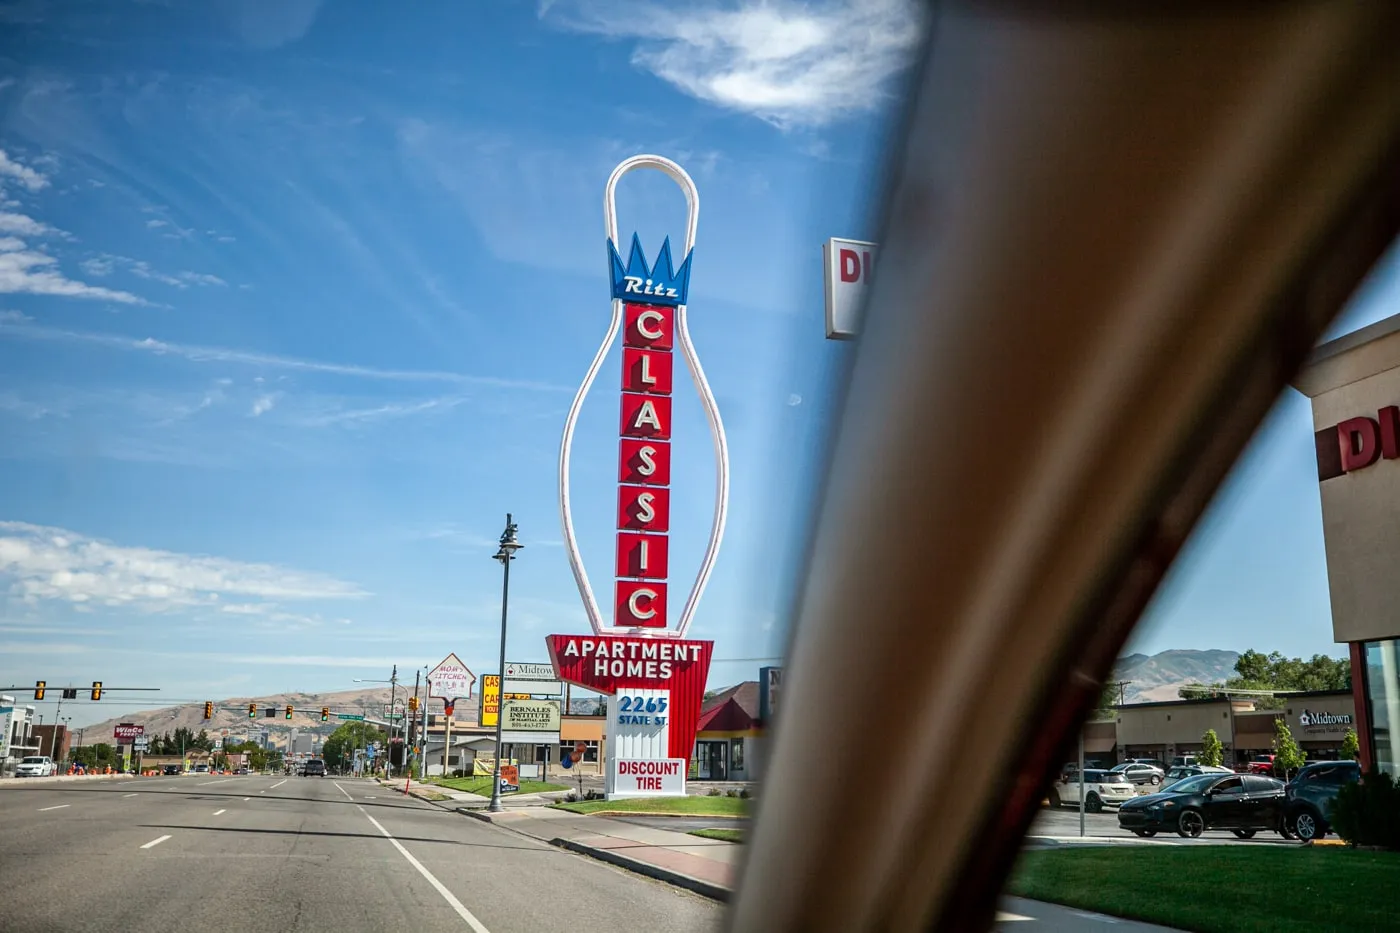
x=291, y=854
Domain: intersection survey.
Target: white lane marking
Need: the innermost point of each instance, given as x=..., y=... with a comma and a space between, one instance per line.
x=128, y=795
x=278, y=784
x=217, y=812
x=246, y=799
x=1004, y=917
x=343, y=790
x=207, y=783
x=438, y=886
x=155, y=842
x=59, y=807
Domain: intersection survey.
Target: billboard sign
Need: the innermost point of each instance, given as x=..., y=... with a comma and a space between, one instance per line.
x=451, y=680
x=125, y=732
x=848, y=266
x=543, y=688
x=770, y=681
x=530, y=715
x=641, y=652
x=651, y=777
x=490, y=709
x=529, y=671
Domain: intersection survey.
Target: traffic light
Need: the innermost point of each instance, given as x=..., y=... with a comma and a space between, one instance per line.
x=208, y=709
x=289, y=711
x=252, y=711
x=325, y=714
x=97, y=689
x=413, y=703
x=39, y=686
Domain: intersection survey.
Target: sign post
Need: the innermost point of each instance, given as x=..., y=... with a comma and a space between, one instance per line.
x=450, y=681
x=654, y=674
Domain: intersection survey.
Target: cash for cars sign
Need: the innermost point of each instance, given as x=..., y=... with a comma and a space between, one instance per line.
x=640, y=656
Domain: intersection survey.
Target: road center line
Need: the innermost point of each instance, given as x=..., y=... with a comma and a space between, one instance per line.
x=128, y=795
x=207, y=783
x=278, y=784
x=59, y=807
x=438, y=886
x=155, y=842
x=217, y=812
x=343, y=790
x=246, y=799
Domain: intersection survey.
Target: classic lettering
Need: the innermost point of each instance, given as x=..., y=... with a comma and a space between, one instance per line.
x=634, y=603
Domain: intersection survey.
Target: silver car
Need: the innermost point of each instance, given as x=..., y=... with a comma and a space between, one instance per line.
x=1139, y=773
x=1178, y=772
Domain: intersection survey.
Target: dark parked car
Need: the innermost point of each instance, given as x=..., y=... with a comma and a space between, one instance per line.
x=1309, y=797
x=1241, y=803
x=170, y=769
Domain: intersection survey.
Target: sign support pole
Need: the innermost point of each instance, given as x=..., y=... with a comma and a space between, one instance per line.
x=1081, y=780
x=505, y=555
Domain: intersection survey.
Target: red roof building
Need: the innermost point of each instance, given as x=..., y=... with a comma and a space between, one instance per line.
x=729, y=735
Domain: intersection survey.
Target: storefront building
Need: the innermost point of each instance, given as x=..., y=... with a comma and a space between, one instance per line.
x=1354, y=385
x=726, y=744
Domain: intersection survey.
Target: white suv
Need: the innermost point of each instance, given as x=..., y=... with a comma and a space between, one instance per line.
x=1103, y=788
x=36, y=766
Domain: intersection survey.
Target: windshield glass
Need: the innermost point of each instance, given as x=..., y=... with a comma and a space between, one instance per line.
x=1195, y=784
x=31, y=760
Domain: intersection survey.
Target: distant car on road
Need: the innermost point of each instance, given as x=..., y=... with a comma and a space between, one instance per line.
x=201, y=769
x=170, y=769
x=315, y=768
x=1310, y=795
x=1140, y=772
x=241, y=771
x=1260, y=764
x=36, y=766
x=1241, y=803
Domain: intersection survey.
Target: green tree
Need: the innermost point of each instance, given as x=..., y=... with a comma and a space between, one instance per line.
x=338, y=751
x=1351, y=745
x=1288, y=757
x=1212, y=752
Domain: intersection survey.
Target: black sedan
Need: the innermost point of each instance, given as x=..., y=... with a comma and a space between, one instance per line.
x=1241, y=803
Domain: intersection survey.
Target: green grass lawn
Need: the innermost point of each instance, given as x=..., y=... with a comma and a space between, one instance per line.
x=724, y=835
x=1220, y=889
x=482, y=785
x=712, y=806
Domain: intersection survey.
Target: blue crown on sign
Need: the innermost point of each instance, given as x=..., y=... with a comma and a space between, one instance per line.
x=661, y=284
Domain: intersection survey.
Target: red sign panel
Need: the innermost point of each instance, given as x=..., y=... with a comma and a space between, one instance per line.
x=646, y=371
x=649, y=326
x=642, y=556
x=645, y=463
x=644, y=508
x=641, y=603
x=605, y=663
x=646, y=416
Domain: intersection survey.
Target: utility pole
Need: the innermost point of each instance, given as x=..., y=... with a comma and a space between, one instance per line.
x=393, y=687
x=505, y=554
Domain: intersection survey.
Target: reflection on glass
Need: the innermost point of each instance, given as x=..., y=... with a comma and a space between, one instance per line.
x=1383, y=697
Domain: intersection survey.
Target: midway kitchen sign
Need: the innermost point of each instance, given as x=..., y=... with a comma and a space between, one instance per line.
x=639, y=654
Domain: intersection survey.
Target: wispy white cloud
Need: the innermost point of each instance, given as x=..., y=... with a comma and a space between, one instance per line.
x=381, y=412
x=263, y=404
x=29, y=271
x=45, y=563
x=268, y=360
x=26, y=176
x=23, y=225
x=107, y=263
x=788, y=62
x=100, y=266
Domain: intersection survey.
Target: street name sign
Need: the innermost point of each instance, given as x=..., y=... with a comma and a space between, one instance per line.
x=355, y=717
x=528, y=671
x=451, y=680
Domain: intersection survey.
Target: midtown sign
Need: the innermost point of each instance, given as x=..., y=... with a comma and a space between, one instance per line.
x=641, y=654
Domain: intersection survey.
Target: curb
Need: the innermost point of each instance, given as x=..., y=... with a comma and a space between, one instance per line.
x=674, y=816
x=679, y=879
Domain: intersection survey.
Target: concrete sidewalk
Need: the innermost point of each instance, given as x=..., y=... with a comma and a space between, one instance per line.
x=434, y=793
x=710, y=866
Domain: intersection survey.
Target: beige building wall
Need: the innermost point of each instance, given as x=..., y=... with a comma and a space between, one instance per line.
x=1176, y=724
x=1356, y=376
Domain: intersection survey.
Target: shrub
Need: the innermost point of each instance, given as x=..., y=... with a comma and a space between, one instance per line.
x=744, y=792
x=1367, y=813
x=731, y=793
x=714, y=792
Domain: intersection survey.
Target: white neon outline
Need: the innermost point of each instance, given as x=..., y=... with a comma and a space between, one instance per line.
x=702, y=385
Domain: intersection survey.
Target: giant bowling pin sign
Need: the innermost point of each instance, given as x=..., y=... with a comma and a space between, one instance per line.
x=653, y=673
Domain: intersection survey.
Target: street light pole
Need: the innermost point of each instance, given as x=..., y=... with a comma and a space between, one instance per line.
x=505, y=554
x=393, y=687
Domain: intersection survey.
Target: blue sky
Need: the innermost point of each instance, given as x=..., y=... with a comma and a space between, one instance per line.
x=294, y=297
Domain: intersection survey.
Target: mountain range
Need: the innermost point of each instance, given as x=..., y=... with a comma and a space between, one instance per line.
x=1159, y=676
